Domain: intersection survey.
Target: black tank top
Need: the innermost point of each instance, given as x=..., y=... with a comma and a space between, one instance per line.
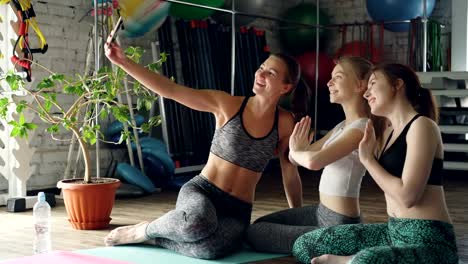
x=393, y=158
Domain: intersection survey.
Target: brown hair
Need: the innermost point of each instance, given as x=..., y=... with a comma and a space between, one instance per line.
x=420, y=98
x=293, y=74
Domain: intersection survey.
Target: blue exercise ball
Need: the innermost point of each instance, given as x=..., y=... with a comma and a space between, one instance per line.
x=142, y=16
x=396, y=10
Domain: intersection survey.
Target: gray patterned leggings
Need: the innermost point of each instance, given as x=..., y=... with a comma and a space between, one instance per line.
x=277, y=232
x=207, y=222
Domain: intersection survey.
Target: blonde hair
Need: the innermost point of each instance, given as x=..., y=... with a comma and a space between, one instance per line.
x=362, y=68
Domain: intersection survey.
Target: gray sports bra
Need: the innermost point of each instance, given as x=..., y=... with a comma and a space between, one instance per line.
x=234, y=144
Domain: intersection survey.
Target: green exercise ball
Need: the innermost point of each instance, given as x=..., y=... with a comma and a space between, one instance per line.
x=298, y=39
x=191, y=12
x=245, y=6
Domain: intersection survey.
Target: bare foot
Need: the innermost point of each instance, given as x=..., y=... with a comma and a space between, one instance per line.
x=132, y=234
x=331, y=259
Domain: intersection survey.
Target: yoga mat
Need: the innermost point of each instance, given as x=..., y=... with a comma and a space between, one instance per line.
x=63, y=257
x=146, y=254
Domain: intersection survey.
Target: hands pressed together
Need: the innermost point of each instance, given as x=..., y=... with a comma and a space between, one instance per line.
x=301, y=136
x=368, y=144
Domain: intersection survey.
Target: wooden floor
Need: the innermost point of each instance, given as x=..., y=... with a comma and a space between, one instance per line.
x=16, y=228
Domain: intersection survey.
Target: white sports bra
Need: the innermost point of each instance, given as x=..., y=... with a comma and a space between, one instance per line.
x=343, y=177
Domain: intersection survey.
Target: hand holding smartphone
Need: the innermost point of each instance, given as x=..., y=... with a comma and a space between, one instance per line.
x=116, y=28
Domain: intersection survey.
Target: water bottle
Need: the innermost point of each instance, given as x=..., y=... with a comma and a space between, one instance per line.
x=41, y=214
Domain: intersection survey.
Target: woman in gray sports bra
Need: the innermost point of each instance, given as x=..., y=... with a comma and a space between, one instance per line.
x=337, y=153
x=213, y=209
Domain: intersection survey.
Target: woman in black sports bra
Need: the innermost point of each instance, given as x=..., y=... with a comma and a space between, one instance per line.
x=408, y=170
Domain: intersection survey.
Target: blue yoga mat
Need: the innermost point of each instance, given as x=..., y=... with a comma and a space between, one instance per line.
x=146, y=254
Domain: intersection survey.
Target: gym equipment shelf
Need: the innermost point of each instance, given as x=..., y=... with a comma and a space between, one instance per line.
x=451, y=87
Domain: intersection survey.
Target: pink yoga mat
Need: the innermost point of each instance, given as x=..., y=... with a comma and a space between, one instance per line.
x=63, y=257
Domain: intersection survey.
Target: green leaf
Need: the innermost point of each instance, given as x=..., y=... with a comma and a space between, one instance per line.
x=53, y=97
x=145, y=127
x=53, y=129
x=57, y=77
x=21, y=106
x=104, y=70
x=121, y=113
x=103, y=115
x=13, y=123
x=21, y=128
x=3, y=107
x=155, y=121
x=137, y=87
x=155, y=67
x=163, y=57
x=15, y=132
x=22, y=120
x=30, y=126
x=45, y=83
x=148, y=104
x=14, y=81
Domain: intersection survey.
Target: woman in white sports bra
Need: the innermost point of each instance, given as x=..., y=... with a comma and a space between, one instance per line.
x=336, y=153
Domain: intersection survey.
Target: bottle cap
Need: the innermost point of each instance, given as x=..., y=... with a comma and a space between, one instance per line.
x=41, y=197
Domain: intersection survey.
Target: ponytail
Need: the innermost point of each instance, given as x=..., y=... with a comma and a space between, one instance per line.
x=426, y=105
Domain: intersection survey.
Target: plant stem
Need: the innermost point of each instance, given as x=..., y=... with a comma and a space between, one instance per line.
x=85, y=150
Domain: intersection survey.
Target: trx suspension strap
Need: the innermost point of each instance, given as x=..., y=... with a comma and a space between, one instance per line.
x=26, y=18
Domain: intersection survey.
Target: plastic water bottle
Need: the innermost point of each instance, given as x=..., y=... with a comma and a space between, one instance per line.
x=41, y=214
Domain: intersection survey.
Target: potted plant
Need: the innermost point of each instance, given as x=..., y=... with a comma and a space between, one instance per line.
x=88, y=200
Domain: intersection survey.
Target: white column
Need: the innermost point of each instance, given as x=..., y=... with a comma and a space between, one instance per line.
x=459, y=35
x=16, y=155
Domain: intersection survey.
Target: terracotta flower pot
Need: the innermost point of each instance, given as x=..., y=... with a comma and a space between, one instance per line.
x=89, y=205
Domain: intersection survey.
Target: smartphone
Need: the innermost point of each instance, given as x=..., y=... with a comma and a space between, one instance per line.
x=116, y=29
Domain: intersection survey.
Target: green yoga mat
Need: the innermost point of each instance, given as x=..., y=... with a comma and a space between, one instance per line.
x=146, y=254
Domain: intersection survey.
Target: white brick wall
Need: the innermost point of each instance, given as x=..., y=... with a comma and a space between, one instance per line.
x=68, y=38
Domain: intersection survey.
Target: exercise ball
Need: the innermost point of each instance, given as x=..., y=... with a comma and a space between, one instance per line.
x=245, y=6
x=361, y=49
x=191, y=12
x=140, y=16
x=307, y=61
x=299, y=38
x=396, y=10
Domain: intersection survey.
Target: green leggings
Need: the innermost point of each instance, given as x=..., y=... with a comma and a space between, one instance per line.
x=400, y=240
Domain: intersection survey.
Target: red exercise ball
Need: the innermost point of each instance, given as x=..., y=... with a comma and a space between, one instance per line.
x=307, y=62
x=362, y=49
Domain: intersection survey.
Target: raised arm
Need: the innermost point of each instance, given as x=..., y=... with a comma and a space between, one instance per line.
x=422, y=140
x=201, y=100
x=314, y=158
x=291, y=179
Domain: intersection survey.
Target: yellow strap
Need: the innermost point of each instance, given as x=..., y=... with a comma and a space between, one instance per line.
x=40, y=36
x=25, y=4
x=20, y=41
